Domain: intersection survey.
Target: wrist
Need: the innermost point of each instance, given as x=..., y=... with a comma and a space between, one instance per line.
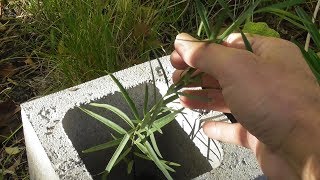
x=302, y=147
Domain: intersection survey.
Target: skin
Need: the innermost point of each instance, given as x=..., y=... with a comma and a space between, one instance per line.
x=272, y=93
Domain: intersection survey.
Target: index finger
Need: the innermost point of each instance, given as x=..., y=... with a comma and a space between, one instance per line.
x=217, y=60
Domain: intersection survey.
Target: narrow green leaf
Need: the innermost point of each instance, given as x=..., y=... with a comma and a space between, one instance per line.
x=141, y=147
x=225, y=6
x=312, y=28
x=218, y=24
x=153, y=83
x=170, y=99
x=203, y=16
x=172, y=163
x=154, y=144
x=157, y=161
x=117, y=111
x=136, y=121
x=102, y=146
x=130, y=165
x=146, y=120
x=246, y=42
x=284, y=4
x=117, y=152
x=155, y=111
x=285, y=15
x=146, y=99
x=313, y=61
x=142, y=156
x=126, y=97
x=165, y=120
x=122, y=156
x=162, y=69
x=289, y=17
x=105, y=121
x=167, y=167
x=200, y=29
x=235, y=25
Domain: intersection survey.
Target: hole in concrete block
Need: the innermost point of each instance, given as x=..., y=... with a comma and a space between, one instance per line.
x=175, y=144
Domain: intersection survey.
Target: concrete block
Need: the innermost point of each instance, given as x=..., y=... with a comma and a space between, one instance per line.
x=56, y=131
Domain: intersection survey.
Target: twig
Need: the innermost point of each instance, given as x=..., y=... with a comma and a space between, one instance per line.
x=306, y=47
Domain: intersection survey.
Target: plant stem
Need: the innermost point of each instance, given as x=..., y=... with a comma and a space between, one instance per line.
x=306, y=47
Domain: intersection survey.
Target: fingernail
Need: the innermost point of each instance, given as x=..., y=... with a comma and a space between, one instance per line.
x=210, y=130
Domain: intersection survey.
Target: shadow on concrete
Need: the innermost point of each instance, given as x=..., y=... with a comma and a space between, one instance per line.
x=174, y=143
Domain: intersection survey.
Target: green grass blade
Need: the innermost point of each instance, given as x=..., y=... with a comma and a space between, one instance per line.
x=284, y=4
x=289, y=17
x=313, y=61
x=146, y=120
x=285, y=15
x=246, y=42
x=200, y=29
x=130, y=165
x=122, y=156
x=312, y=28
x=102, y=146
x=155, y=111
x=218, y=24
x=203, y=16
x=159, y=123
x=154, y=144
x=225, y=6
x=105, y=121
x=117, y=152
x=146, y=99
x=126, y=97
x=163, y=71
x=235, y=25
x=170, y=99
x=153, y=83
x=157, y=161
x=115, y=110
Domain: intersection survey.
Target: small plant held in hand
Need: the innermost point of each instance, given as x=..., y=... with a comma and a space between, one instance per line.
x=140, y=140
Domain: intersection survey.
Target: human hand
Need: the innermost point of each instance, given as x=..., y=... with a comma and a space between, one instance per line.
x=272, y=93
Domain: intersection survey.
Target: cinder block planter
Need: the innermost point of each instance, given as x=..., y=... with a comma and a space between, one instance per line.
x=56, y=132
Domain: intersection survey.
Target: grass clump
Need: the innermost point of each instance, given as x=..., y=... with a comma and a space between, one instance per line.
x=88, y=37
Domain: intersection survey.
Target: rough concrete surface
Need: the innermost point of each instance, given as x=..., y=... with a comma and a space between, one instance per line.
x=238, y=163
x=56, y=132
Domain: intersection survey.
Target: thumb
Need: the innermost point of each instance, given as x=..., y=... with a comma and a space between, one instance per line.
x=230, y=133
x=215, y=59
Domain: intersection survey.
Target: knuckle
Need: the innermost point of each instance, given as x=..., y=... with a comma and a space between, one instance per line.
x=195, y=54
